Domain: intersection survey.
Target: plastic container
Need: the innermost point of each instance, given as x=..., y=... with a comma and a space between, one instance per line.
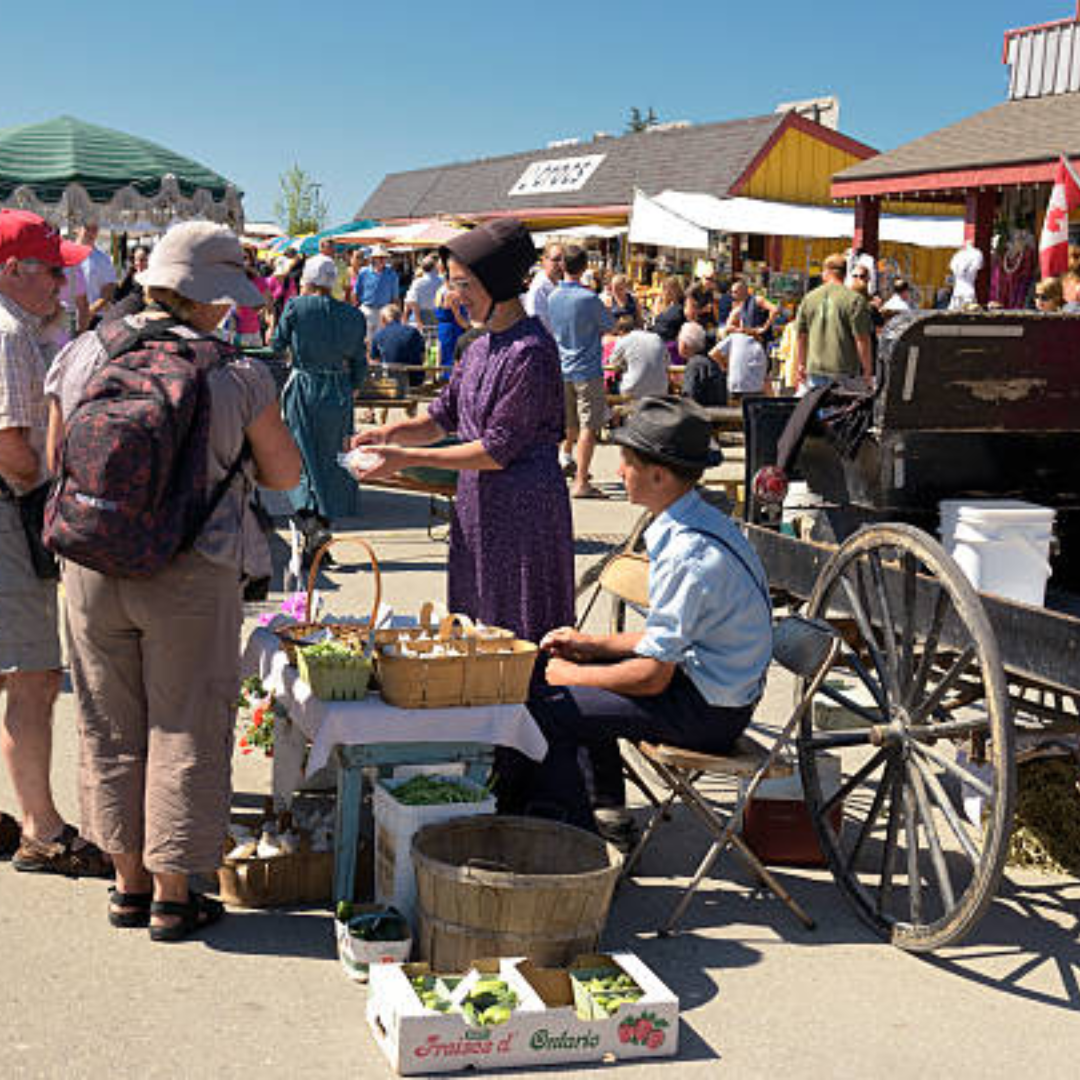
x=1002, y=545
x=776, y=822
x=395, y=826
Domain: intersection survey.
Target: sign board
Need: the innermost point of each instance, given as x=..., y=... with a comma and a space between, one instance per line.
x=557, y=174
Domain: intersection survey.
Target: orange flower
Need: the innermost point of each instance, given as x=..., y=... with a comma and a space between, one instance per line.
x=257, y=716
x=243, y=740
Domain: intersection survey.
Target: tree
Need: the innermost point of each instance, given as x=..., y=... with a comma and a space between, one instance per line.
x=300, y=207
x=637, y=122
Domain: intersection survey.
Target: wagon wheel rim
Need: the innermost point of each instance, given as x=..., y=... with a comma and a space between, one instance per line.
x=924, y=674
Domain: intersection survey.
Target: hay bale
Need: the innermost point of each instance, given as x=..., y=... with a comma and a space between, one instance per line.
x=1046, y=832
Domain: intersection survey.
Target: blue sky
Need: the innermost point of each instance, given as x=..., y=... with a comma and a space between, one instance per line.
x=250, y=88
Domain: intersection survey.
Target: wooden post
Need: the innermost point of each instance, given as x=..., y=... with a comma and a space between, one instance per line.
x=736, y=253
x=867, y=220
x=979, y=209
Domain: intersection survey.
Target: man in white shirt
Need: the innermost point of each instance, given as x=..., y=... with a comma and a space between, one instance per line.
x=642, y=356
x=420, y=299
x=900, y=299
x=98, y=271
x=743, y=358
x=544, y=282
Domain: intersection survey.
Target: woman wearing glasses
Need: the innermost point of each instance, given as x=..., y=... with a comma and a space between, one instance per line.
x=511, y=547
x=1049, y=295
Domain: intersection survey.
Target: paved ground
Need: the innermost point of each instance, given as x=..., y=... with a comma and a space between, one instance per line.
x=261, y=995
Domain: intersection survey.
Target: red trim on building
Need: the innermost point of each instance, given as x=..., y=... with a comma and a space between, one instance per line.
x=807, y=127
x=956, y=181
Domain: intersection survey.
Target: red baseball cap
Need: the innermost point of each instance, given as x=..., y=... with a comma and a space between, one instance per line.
x=26, y=236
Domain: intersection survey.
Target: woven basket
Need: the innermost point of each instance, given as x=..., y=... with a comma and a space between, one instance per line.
x=305, y=877
x=354, y=636
x=493, y=669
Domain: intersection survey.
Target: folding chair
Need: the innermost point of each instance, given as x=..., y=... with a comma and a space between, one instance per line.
x=807, y=648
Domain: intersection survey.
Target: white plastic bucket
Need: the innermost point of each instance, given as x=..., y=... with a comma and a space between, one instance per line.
x=1002, y=545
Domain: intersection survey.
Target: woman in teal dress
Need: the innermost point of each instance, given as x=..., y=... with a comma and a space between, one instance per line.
x=327, y=340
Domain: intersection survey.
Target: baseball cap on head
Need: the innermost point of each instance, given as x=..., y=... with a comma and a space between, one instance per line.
x=320, y=271
x=202, y=262
x=27, y=236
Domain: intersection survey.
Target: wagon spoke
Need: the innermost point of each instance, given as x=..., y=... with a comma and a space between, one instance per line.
x=911, y=831
x=937, y=621
x=976, y=782
x=948, y=680
x=907, y=642
x=888, y=853
x=872, y=814
x=948, y=811
x=841, y=698
x=888, y=629
x=856, y=599
x=850, y=785
x=937, y=855
x=876, y=692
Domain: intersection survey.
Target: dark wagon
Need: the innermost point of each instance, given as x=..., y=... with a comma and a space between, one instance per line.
x=935, y=679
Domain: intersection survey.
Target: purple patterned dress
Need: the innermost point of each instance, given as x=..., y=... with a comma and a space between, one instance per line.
x=511, y=540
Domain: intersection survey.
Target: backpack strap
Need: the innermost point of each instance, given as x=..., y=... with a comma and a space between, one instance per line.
x=119, y=336
x=220, y=488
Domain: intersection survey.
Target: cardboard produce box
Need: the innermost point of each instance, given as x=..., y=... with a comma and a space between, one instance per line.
x=555, y=1021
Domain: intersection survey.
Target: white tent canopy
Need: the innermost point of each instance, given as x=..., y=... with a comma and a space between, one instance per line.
x=682, y=219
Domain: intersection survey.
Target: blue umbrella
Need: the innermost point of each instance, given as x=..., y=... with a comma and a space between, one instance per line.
x=310, y=246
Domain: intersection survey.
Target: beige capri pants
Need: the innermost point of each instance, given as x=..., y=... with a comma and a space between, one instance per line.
x=155, y=668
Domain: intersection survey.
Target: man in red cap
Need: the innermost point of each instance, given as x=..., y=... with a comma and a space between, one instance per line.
x=32, y=262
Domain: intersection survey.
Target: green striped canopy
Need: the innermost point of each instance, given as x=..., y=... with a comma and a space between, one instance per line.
x=50, y=156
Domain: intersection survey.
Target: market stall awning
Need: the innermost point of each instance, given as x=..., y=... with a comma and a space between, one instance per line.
x=429, y=233
x=684, y=220
x=310, y=244
x=70, y=171
x=580, y=232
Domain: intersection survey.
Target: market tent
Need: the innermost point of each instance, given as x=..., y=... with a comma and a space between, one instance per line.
x=70, y=171
x=580, y=232
x=684, y=220
x=430, y=233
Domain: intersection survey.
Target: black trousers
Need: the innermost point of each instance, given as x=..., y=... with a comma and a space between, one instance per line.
x=575, y=716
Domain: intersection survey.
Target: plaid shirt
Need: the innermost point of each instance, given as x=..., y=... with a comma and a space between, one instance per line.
x=22, y=374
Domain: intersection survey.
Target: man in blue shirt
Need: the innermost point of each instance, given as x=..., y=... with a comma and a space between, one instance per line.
x=399, y=345
x=578, y=318
x=376, y=286
x=694, y=675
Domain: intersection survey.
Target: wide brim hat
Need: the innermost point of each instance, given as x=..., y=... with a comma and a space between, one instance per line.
x=500, y=253
x=672, y=430
x=203, y=262
x=379, y=252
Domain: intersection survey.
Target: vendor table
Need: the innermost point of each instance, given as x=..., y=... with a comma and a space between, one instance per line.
x=358, y=734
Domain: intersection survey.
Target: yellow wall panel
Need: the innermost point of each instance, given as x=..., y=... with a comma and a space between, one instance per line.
x=798, y=169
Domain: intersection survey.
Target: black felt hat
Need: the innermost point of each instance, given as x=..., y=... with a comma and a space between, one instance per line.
x=500, y=253
x=673, y=430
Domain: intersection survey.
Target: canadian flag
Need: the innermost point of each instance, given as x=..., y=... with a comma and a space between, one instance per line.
x=1054, y=242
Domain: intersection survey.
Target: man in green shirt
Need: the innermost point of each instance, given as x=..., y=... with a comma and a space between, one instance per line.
x=833, y=326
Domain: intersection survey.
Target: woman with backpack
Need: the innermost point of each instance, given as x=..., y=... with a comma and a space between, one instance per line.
x=160, y=432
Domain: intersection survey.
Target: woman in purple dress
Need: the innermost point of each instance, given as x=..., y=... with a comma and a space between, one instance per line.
x=511, y=540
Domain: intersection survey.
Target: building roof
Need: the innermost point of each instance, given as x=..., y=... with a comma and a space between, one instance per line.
x=711, y=158
x=1012, y=143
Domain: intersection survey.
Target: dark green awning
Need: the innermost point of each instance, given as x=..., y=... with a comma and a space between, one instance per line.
x=50, y=156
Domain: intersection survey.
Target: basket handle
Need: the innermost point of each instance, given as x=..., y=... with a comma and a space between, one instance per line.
x=314, y=573
x=428, y=612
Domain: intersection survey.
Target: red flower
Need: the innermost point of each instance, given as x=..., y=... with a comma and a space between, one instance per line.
x=243, y=740
x=246, y=750
x=258, y=716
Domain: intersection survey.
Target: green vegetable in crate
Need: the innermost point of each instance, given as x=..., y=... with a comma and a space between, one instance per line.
x=609, y=992
x=434, y=791
x=431, y=992
x=387, y=925
x=331, y=651
x=489, y=1003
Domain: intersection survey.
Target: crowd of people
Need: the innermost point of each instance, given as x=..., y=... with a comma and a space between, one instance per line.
x=108, y=385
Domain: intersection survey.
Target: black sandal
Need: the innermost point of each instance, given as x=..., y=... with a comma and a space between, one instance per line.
x=195, y=914
x=137, y=901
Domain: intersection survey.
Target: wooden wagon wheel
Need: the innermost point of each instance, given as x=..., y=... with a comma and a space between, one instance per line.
x=925, y=682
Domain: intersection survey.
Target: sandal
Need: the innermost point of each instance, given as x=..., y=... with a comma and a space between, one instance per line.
x=10, y=836
x=138, y=902
x=69, y=855
x=195, y=914
x=588, y=492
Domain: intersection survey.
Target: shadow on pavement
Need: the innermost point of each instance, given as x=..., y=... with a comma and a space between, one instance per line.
x=1030, y=932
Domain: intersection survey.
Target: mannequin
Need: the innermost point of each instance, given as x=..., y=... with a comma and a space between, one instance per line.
x=965, y=267
x=1014, y=270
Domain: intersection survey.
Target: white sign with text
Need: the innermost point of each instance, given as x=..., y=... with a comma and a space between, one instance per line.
x=559, y=174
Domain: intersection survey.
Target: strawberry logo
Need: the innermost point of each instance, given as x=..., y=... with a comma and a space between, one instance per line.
x=626, y=1032
x=655, y=1039
x=646, y=1030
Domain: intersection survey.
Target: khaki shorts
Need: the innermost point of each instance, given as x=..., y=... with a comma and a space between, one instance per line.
x=29, y=639
x=586, y=406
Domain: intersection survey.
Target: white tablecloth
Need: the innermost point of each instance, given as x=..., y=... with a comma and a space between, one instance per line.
x=351, y=723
